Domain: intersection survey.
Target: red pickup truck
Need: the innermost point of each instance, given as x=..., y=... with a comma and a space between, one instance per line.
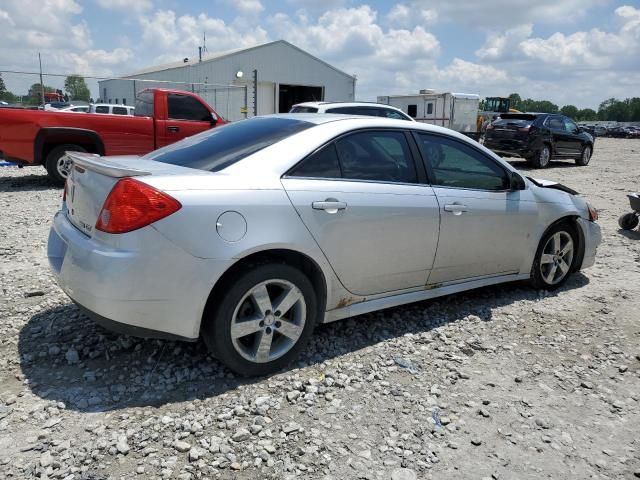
x=32, y=137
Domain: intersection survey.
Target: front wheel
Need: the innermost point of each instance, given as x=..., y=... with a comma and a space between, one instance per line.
x=263, y=320
x=555, y=258
x=583, y=159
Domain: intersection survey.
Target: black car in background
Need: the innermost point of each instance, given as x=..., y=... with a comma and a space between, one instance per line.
x=539, y=138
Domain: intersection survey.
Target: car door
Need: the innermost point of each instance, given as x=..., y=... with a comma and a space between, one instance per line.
x=186, y=116
x=365, y=202
x=484, y=227
x=561, y=139
x=573, y=138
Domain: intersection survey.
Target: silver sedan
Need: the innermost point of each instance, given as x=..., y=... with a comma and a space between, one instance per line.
x=251, y=234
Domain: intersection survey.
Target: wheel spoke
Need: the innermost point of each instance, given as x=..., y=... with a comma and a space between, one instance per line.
x=287, y=300
x=264, y=347
x=567, y=248
x=556, y=242
x=563, y=267
x=546, y=258
x=242, y=329
x=261, y=298
x=290, y=330
x=551, y=275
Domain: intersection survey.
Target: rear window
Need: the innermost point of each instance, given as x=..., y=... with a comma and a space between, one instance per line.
x=299, y=109
x=144, y=105
x=511, y=121
x=518, y=116
x=218, y=148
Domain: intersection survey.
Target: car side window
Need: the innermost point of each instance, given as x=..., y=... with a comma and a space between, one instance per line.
x=184, y=107
x=102, y=109
x=120, y=111
x=388, y=113
x=556, y=123
x=569, y=126
x=321, y=164
x=456, y=165
x=377, y=155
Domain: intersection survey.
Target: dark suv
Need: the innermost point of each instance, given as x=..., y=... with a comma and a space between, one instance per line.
x=539, y=137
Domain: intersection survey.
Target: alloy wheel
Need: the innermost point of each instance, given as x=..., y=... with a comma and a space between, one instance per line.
x=545, y=155
x=268, y=321
x=586, y=155
x=63, y=166
x=557, y=257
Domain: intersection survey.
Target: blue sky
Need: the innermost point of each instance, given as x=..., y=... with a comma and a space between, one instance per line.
x=570, y=51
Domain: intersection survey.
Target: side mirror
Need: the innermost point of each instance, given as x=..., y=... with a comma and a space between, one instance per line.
x=214, y=118
x=516, y=182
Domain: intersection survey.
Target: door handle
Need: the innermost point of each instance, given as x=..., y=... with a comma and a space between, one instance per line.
x=173, y=129
x=329, y=205
x=455, y=208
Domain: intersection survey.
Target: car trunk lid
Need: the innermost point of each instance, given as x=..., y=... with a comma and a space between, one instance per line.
x=91, y=179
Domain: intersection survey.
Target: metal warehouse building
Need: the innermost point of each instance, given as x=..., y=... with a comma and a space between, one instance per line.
x=285, y=75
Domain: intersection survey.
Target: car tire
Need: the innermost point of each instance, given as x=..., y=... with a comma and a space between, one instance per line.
x=54, y=165
x=555, y=258
x=628, y=221
x=244, y=330
x=585, y=156
x=542, y=157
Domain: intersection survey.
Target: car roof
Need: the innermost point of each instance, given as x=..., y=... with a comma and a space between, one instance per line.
x=344, y=104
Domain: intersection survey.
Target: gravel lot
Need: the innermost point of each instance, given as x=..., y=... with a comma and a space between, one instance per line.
x=502, y=382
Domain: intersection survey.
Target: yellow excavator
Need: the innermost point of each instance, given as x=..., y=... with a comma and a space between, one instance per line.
x=493, y=107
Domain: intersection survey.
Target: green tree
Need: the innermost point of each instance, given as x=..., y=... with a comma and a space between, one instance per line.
x=3, y=87
x=35, y=93
x=570, y=111
x=587, y=115
x=515, y=101
x=77, y=88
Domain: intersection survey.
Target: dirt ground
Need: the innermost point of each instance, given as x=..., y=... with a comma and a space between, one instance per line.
x=500, y=383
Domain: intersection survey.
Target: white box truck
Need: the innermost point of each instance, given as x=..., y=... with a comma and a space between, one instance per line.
x=457, y=111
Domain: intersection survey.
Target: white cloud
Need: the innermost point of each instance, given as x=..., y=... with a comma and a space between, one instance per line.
x=247, y=7
x=407, y=16
x=501, y=45
x=128, y=5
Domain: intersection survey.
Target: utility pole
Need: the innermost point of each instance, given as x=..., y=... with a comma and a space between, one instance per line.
x=255, y=93
x=41, y=82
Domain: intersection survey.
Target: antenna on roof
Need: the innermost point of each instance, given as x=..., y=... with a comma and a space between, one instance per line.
x=203, y=48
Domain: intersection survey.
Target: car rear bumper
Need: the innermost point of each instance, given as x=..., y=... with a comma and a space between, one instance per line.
x=592, y=239
x=509, y=148
x=157, y=291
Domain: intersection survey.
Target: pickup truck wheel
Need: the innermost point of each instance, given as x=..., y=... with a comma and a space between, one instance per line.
x=56, y=165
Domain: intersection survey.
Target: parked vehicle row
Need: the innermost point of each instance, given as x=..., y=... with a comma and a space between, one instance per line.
x=252, y=234
x=539, y=138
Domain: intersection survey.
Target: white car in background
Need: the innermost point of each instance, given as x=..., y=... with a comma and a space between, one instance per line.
x=76, y=109
x=111, y=109
x=352, y=108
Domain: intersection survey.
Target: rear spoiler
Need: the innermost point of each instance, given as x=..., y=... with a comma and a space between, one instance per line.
x=103, y=165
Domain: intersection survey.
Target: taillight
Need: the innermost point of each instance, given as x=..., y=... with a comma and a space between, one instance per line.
x=524, y=129
x=489, y=127
x=132, y=205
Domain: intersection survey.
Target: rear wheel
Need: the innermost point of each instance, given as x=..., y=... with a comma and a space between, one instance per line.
x=541, y=158
x=58, y=165
x=263, y=320
x=584, y=158
x=555, y=257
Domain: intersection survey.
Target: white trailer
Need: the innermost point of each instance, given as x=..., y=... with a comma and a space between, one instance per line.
x=457, y=111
